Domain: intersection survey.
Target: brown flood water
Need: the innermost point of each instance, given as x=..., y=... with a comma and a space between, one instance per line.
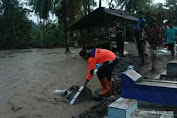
x=28, y=77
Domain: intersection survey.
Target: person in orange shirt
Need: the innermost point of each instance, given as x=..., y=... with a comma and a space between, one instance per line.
x=107, y=59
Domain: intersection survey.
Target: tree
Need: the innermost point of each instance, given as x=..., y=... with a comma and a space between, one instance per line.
x=172, y=10
x=133, y=6
x=68, y=12
x=100, y=3
x=14, y=24
x=64, y=2
x=42, y=8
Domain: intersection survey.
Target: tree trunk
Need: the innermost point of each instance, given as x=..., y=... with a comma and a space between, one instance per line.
x=16, y=37
x=99, y=3
x=65, y=26
x=43, y=31
x=1, y=42
x=82, y=40
x=88, y=6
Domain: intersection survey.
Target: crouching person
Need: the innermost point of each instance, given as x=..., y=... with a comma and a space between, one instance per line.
x=108, y=60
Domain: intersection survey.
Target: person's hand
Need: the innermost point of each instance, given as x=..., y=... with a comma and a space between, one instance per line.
x=86, y=82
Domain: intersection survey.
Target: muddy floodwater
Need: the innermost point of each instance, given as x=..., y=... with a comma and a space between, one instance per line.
x=28, y=77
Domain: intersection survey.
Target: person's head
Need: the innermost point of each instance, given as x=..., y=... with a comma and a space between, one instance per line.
x=83, y=53
x=170, y=24
x=117, y=24
x=141, y=14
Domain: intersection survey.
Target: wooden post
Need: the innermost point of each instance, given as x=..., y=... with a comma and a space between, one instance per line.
x=99, y=3
x=65, y=26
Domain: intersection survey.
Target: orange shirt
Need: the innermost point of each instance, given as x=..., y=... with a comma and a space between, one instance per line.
x=101, y=56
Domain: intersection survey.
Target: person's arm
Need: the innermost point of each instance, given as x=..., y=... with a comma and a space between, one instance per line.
x=166, y=35
x=86, y=82
x=166, y=39
x=92, y=65
x=120, y=29
x=115, y=29
x=176, y=35
x=142, y=25
x=135, y=26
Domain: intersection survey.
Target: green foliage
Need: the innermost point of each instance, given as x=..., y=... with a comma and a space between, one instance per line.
x=75, y=9
x=52, y=35
x=133, y=5
x=85, y=8
x=42, y=7
x=156, y=14
x=172, y=10
x=15, y=26
x=18, y=32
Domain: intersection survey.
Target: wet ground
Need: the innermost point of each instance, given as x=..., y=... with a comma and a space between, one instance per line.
x=28, y=77
x=100, y=110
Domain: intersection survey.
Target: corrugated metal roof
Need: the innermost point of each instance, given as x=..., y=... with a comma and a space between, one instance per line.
x=101, y=17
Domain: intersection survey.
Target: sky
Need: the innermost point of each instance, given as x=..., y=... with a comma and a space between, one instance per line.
x=159, y=1
x=53, y=18
x=32, y=16
x=105, y=4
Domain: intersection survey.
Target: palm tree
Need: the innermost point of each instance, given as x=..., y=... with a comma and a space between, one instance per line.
x=65, y=25
x=99, y=3
x=42, y=8
x=8, y=7
x=132, y=5
x=14, y=24
x=71, y=10
x=172, y=11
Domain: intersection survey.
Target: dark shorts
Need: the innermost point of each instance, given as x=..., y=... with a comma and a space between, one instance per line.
x=171, y=46
x=106, y=70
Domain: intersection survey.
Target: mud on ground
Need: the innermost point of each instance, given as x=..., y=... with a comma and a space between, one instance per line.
x=28, y=77
x=100, y=109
